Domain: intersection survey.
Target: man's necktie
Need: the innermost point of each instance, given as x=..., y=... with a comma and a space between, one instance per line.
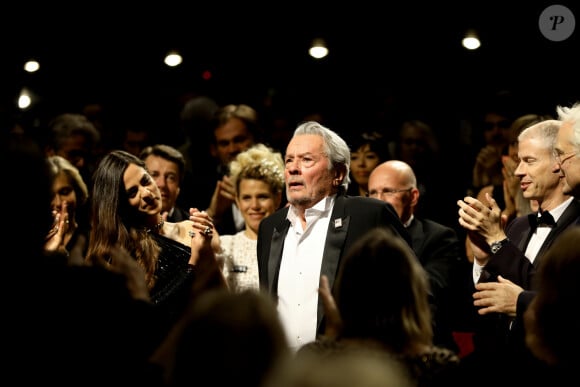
x=545, y=219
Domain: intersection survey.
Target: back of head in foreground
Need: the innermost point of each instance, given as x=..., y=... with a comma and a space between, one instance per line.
x=225, y=337
x=27, y=202
x=382, y=294
x=551, y=320
x=344, y=366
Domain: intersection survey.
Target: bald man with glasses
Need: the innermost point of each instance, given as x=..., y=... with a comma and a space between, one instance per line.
x=437, y=246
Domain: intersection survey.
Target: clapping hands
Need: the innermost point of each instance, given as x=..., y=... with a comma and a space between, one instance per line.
x=55, y=237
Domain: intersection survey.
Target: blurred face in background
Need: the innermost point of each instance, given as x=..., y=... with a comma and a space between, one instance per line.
x=165, y=173
x=413, y=145
x=230, y=139
x=77, y=150
x=362, y=162
x=496, y=129
x=135, y=141
x=63, y=191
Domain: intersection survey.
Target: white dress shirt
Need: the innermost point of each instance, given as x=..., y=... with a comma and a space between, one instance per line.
x=299, y=276
x=538, y=237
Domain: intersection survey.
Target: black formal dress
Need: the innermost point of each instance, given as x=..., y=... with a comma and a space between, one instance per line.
x=175, y=277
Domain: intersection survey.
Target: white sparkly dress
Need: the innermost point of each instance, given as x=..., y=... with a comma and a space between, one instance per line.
x=240, y=261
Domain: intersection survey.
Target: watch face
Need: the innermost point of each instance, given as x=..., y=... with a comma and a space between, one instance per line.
x=495, y=246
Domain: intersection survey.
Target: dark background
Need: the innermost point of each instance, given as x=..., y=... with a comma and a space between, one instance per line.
x=386, y=58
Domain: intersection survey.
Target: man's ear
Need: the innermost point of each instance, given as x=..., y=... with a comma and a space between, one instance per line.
x=415, y=194
x=339, y=175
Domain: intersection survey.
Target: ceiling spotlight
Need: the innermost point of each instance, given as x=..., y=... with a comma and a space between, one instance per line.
x=25, y=99
x=318, y=49
x=471, y=40
x=31, y=66
x=173, y=58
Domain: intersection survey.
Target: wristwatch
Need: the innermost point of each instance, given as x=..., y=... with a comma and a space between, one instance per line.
x=495, y=246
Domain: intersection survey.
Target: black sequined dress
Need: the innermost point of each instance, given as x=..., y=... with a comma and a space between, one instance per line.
x=174, y=278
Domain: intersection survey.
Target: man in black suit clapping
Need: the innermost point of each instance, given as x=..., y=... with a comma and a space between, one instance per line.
x=506, y=260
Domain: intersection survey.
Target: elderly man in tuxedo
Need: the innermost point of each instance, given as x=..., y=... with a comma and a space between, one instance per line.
x=308, y=238
x=567, y=148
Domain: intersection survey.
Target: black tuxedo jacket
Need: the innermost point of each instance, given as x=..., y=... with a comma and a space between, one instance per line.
x=351, y=218
x=510, y=262
x=438, y=248
x=440, y=252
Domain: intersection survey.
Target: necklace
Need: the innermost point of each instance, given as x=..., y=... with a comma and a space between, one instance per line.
x=154, y=228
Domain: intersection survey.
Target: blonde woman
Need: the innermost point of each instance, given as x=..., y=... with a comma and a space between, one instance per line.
x=68, y=234
x=258, y=179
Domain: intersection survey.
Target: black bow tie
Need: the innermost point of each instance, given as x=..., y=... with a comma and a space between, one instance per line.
x=545, y=219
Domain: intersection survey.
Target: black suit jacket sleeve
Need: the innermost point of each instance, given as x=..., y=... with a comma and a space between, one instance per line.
x=524, y=300
x=510, y=261
x=438, y=248
x=518, y=326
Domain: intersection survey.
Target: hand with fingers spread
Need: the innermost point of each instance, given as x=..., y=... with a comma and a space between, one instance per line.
x=480, y=219
x=500, y=297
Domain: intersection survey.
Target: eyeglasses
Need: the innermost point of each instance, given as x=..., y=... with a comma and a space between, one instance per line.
x=387, y=192
x=561, y=158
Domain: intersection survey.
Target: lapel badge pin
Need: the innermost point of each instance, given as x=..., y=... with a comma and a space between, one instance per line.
x=337, y=223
